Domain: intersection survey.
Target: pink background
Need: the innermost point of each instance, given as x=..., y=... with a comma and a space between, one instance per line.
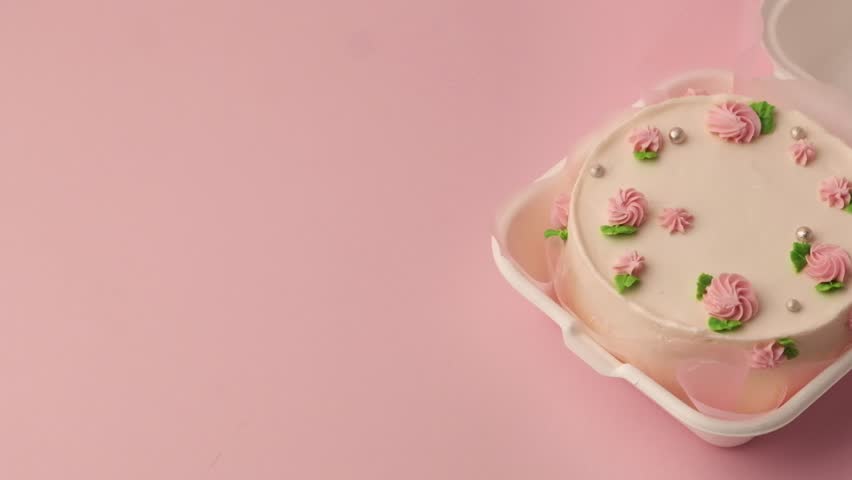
x=249, y=240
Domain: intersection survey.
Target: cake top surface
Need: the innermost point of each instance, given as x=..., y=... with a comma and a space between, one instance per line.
x=745, y=202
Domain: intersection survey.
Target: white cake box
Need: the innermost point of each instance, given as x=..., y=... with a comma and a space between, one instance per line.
x=719, y=432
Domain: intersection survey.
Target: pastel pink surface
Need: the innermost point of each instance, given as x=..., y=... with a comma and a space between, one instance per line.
x=249, y=240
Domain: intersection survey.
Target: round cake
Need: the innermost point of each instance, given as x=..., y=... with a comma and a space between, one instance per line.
x=708, y=226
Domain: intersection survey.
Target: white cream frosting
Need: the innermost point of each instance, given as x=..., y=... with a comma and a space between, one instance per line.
x=747, y=200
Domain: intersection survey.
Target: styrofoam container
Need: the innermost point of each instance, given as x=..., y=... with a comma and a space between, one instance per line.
x=723, y=433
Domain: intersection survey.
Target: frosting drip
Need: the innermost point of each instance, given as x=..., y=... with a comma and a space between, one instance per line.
x=731, y=297
x=734, y=122
x=828, y=263
x=675, y=220
x=803, y=152
x=627, y=208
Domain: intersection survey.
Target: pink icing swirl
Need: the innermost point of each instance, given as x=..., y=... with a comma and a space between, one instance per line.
x=559, y=211
x=631, y=263
x=835, y=191
x=648, y=139
x=767, y=356
x=675, y=220
x=734, y=122
x=803, y=152
x=731, y=297
x=828, y=263
x=627, y=208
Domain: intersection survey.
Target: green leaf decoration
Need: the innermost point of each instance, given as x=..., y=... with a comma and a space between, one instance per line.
x=799, y=262
x=703, y=282
x=790, y=350
x=799, y=255
x=624, y=281
x=826, y=287
x=848, y=208
x=642, y=155
x=802, y=248
x=723, y=326
x=766, y=112
x=563, y=234
x=615, y=230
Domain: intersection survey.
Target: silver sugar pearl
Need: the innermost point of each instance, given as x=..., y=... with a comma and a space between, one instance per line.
x=597, y=171
x=677, y=135
x=804, y=234
x=798, y=133
x=793, y=305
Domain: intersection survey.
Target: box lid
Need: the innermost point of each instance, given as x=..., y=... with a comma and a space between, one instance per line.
x=810, y=40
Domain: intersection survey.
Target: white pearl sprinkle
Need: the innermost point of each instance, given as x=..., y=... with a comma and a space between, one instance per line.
x=793, y=305
x=798, y=133
x=804, y=234
x=677, y=135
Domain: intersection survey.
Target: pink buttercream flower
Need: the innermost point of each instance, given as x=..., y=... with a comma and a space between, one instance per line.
x=731, y=297
x=767, y=356
x=559, y=211
x=828, y=263
x=646, y=139
x=631, y=263
x=627, y=208
x=835, y=191
x=675, y=220
x=803, y=152
x=734, y=122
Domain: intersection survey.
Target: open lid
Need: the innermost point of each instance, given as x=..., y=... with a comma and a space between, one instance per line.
x=810, y=40
x=782, y=39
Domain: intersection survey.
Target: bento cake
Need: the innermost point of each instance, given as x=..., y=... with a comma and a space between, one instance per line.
x=711, y=221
